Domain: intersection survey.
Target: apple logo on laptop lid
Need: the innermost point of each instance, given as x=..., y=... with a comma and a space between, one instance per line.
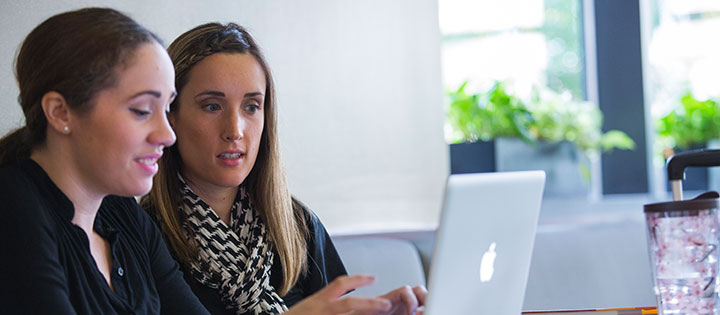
x=487, y=264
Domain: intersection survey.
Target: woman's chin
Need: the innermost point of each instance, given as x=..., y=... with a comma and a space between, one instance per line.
x=139, y=189
x=228, y=179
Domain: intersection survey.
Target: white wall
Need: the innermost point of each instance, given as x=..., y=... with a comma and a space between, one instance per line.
x=359, y=89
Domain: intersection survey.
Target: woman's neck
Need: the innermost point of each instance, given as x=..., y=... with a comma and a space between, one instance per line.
x=86, y=202
x=220, y=199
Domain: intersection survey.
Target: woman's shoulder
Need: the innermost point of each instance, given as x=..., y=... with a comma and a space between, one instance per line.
x=319, y=241
x=16, y=177
x=24, y=186
x=312, y=221
x=34, y=212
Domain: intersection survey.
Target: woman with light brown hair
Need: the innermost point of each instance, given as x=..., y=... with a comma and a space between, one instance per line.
x=221, y=199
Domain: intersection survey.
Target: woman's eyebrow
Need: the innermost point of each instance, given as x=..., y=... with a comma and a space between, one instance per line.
x=221, y=94
x=251, y=94
x=210, y=93
x=154, y=93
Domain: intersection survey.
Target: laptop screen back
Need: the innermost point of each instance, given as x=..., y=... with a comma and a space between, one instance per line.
x=483, y=246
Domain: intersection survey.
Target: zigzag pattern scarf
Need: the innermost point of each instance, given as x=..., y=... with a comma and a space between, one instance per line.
x=235, y=259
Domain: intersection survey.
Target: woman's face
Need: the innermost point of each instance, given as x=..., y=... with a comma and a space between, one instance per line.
x=117, y=144
x=219, y=121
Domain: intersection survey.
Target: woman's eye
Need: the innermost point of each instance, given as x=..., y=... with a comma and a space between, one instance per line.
x=211, y=107
x=140, y=112
x=252, y=108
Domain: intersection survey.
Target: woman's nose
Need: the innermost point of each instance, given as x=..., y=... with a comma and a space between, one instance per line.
x=234, y=127
x=162, y=133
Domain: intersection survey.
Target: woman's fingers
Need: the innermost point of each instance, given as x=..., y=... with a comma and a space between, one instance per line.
x=343, y=284
x=327, y=301
x=420, y=293
x=401, y=301
x=406, y=300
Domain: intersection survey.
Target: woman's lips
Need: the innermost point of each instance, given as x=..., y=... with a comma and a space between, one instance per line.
x=149, y=163
x=231, y=158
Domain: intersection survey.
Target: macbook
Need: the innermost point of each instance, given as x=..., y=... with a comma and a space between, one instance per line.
x=482, y=250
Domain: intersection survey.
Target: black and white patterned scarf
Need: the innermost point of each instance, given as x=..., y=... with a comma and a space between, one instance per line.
x=235, y=260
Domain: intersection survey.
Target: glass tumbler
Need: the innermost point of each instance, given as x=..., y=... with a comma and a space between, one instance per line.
x=683, y=247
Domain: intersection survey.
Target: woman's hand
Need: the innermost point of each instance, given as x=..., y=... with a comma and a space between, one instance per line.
x=328, y=302
x=404, y=300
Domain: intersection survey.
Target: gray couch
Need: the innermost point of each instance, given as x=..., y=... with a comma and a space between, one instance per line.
x=394, y=262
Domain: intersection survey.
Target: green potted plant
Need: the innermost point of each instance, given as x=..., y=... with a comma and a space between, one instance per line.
x=474, y=120
x=548, y=130
x=557, y=117
x=692, y=124
x=486, y=115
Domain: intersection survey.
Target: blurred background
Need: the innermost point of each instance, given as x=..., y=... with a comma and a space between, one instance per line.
x=381, y=100
x=359, y=89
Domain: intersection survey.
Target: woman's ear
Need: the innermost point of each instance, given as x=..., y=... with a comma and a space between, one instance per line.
x=56, y=112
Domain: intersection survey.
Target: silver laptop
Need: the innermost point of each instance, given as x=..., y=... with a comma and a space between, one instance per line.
x=483, y=246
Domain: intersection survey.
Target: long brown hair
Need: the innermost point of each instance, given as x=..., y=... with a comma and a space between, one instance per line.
x=266, y=182
x=75, y=54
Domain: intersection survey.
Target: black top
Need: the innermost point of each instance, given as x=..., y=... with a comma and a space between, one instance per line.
x=46, y=265
x=323, y=266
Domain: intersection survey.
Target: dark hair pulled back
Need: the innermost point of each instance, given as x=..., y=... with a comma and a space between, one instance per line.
x=76, y=54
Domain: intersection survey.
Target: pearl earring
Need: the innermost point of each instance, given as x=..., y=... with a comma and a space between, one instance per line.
x=66, y=129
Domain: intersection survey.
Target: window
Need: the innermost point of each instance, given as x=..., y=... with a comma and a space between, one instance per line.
x=524, y=42
x=683, y=52
x=682, y=57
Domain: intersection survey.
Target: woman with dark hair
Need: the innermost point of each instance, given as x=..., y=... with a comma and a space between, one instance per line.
x=94, y=87
x=221, y=199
